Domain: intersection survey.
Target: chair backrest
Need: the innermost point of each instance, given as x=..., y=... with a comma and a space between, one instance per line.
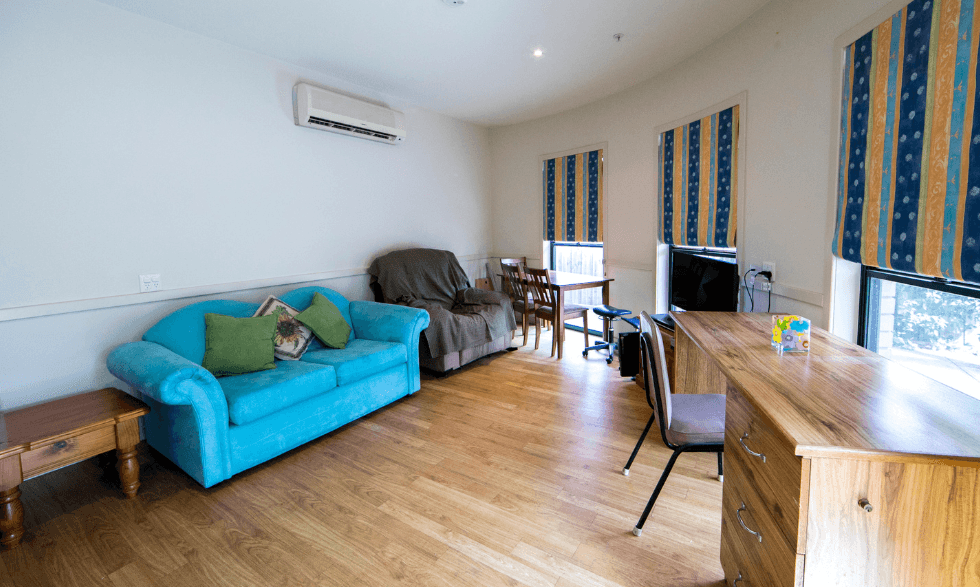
x=514, y=278
x=539, y=281
x=518, y=262
x=655, y=369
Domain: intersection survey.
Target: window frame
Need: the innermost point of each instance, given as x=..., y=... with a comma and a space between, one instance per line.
x=867, y=329
x=553, y=244
x=551, y=256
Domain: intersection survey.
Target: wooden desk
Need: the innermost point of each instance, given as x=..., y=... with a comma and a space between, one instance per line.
x=48, y=436
x=562, y=282
x=843, y=467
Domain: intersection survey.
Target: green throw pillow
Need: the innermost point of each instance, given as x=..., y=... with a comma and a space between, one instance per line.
x=326, y=322
x=233, y=346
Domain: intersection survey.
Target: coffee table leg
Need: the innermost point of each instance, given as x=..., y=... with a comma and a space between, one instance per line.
x=11, y=517
x=129, y=471
x=127, y=435
x=11, y=510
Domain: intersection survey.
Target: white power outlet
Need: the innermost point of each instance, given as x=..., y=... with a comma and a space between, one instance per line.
x=771, y=268
x=149, y=282
x=750, y=276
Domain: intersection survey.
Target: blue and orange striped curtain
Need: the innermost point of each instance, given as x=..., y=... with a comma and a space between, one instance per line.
x=698, y=186
x=908, y=194
x=573, y=198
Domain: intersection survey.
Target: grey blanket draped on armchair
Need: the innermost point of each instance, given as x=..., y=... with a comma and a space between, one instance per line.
x=461, y=317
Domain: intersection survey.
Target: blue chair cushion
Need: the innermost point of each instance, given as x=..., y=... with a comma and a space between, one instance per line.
x=254, y=395
x=183, y=331
x=360, y=359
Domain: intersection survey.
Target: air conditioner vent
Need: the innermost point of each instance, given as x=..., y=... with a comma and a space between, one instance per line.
x=318, y=108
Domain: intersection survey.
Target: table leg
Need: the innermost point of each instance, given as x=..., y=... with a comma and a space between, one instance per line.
x=606, y=323
x=560, y=326
x=11, y=510
x=127, y=435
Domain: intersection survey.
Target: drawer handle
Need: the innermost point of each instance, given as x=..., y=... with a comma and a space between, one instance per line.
x=61, y=445
x=737, y=580
x=738, y=514
x=749, y=450
x=864, y=503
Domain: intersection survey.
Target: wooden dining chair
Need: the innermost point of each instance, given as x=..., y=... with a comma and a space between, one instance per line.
x=689, y=422
x=523, y=305
x=513, y=262
x=546, y=308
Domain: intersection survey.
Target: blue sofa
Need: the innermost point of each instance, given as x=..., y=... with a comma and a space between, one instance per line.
x=214, y=428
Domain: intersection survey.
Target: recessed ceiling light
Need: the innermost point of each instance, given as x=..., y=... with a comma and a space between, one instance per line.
x=538, y=52
x=455, y=2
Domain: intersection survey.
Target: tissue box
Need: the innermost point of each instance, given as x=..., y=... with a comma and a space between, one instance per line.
x=790, y=333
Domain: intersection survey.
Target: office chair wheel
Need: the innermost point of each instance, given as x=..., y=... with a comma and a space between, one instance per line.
x=626, y=471
x=609, y=360
x=585, y=354
x=637, y=531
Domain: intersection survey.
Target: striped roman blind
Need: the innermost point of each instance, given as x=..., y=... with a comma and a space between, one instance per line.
x=573, y=197
x=908, y=194
x=698, y=187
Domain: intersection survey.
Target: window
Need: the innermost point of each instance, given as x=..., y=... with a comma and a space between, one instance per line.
x=573, y=187
x=581, y=258
x=930, y=325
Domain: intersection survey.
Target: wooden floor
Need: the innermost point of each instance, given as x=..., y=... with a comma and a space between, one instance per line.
x=508, y=472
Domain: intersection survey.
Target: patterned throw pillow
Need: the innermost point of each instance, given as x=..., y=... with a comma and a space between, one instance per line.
x=292, y=338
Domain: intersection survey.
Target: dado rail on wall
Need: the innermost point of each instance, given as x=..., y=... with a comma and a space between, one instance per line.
x=472, y=264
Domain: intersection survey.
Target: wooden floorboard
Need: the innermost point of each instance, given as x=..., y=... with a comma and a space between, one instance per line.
x=507, y=472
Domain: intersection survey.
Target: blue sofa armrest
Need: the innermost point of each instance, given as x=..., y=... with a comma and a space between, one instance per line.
x=392, y=323
x=188, y=421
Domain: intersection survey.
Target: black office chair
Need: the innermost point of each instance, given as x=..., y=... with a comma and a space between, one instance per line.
x=609, y=342
x=688, y=422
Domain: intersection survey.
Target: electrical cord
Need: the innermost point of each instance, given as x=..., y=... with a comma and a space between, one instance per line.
x=745, y=282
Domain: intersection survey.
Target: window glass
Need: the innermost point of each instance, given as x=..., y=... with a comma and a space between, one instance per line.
x=928, y=326
x=581, y=258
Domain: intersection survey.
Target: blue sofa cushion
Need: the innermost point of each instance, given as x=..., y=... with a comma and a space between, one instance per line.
x=254, y=395
x=302, y=298
x=360, y=359
x=183, y=331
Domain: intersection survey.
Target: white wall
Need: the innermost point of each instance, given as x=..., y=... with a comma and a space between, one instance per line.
x=128, y=146
x=784, y=58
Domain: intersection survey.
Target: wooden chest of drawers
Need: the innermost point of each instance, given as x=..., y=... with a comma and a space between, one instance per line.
x=761, y=503
x=842, y=467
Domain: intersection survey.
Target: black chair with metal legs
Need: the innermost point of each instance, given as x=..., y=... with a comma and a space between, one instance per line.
x=688, y=422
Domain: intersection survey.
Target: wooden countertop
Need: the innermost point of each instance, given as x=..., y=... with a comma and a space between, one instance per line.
x=839, y=398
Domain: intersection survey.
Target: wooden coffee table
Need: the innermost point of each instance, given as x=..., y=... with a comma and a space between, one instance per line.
x=48, y=436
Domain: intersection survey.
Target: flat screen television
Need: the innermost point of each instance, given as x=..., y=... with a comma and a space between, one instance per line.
x=703, y=282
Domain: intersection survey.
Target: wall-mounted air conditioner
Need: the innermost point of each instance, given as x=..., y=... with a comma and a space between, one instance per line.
x=325, y=110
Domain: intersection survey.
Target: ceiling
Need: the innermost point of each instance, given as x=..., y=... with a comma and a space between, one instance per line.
x=472, y=62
